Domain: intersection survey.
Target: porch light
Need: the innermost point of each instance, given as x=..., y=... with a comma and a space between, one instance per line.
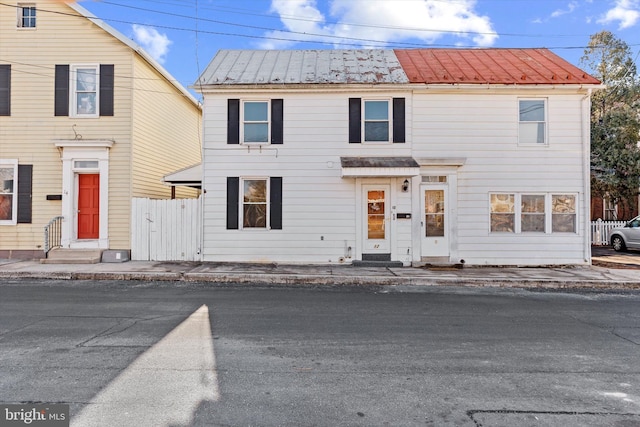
x=405, y=186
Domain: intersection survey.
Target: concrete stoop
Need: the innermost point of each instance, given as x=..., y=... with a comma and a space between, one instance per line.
x=73, y=256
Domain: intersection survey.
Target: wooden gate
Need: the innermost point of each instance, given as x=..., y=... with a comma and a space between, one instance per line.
x=166, y=230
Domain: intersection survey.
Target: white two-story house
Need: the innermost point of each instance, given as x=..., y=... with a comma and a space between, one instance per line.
x=476, y=156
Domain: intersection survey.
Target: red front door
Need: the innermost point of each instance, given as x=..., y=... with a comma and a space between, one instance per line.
x=88, y=206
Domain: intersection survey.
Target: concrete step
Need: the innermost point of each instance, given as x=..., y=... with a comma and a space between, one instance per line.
x=391, y=264
x=73, y=256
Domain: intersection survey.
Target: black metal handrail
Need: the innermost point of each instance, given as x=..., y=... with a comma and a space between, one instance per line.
x=53, y=234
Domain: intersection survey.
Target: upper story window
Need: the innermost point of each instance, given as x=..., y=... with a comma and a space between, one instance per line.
x=376, y=120
x=26, y=16
x=532, y=121
x=84, y=90
x=255, y=122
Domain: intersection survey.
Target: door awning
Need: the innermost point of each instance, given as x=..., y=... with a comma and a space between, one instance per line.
x=354, y=167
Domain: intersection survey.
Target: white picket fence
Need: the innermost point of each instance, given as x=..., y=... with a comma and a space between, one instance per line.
x=600, y=231
x=166, y=230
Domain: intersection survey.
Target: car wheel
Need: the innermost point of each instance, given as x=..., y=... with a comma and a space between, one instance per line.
x=618, y=243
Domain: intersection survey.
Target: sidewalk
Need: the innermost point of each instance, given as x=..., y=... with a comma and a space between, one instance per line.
x=624, y=277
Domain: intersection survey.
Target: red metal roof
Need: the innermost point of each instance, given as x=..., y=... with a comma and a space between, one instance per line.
x=490, y=66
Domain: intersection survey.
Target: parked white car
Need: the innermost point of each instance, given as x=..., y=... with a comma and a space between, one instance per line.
x=627, y=237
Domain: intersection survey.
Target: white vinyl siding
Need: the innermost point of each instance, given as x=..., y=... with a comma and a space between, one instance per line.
x=320, y=209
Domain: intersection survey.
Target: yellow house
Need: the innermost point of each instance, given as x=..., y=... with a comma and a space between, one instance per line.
x=88, y=121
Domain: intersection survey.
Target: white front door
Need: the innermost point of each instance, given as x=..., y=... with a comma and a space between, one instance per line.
x=376, y=224
x=434, y=221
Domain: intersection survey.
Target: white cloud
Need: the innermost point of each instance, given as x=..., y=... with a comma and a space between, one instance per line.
x=570, y=8
x=156, y=44
x=381, y=20
x=626, y=12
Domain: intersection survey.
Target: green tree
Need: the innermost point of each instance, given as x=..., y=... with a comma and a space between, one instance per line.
x=615, y=119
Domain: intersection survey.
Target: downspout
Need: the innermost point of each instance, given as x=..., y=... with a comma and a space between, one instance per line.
x=586, y=144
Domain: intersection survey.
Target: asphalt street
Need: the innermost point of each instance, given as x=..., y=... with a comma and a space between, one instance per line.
x=188, y=354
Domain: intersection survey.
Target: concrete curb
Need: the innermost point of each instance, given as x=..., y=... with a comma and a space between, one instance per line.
x=332, y=280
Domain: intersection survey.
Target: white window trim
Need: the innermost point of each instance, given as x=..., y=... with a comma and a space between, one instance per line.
x=73, y=99
x=268, y=205
x=14, y=206
x=20, y=8
x=546, y=122
x=242, y=121
x=548, y=213
x=389, y=120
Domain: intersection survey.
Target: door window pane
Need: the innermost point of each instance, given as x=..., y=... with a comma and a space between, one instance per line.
x=434, y=213
x=375, y=214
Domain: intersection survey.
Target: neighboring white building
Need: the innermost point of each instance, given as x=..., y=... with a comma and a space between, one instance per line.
x=417, y=156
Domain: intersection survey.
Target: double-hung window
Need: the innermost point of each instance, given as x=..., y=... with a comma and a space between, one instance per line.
x=376, y=120
x=532, y=128
x=8, y=191
x=254, y=203
x=563, y=213
x=26, y=16
x=255, y=121
x=503, y=213
x=84, y=91
x=533, y=213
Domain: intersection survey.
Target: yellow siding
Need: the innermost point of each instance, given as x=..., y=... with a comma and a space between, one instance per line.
x=166, y=126
x=28, y=134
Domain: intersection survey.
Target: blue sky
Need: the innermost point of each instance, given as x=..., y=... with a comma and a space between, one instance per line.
x=184, y=35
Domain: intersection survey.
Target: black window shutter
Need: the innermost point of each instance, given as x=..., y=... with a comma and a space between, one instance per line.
x=61, y=107
x=106, y=89
x=25, y=173
x=5, y=89
x=355, y=116
x=275, y=203
x=233, y=199
x=398, y=120
x=277, y=121
x=233, y=121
